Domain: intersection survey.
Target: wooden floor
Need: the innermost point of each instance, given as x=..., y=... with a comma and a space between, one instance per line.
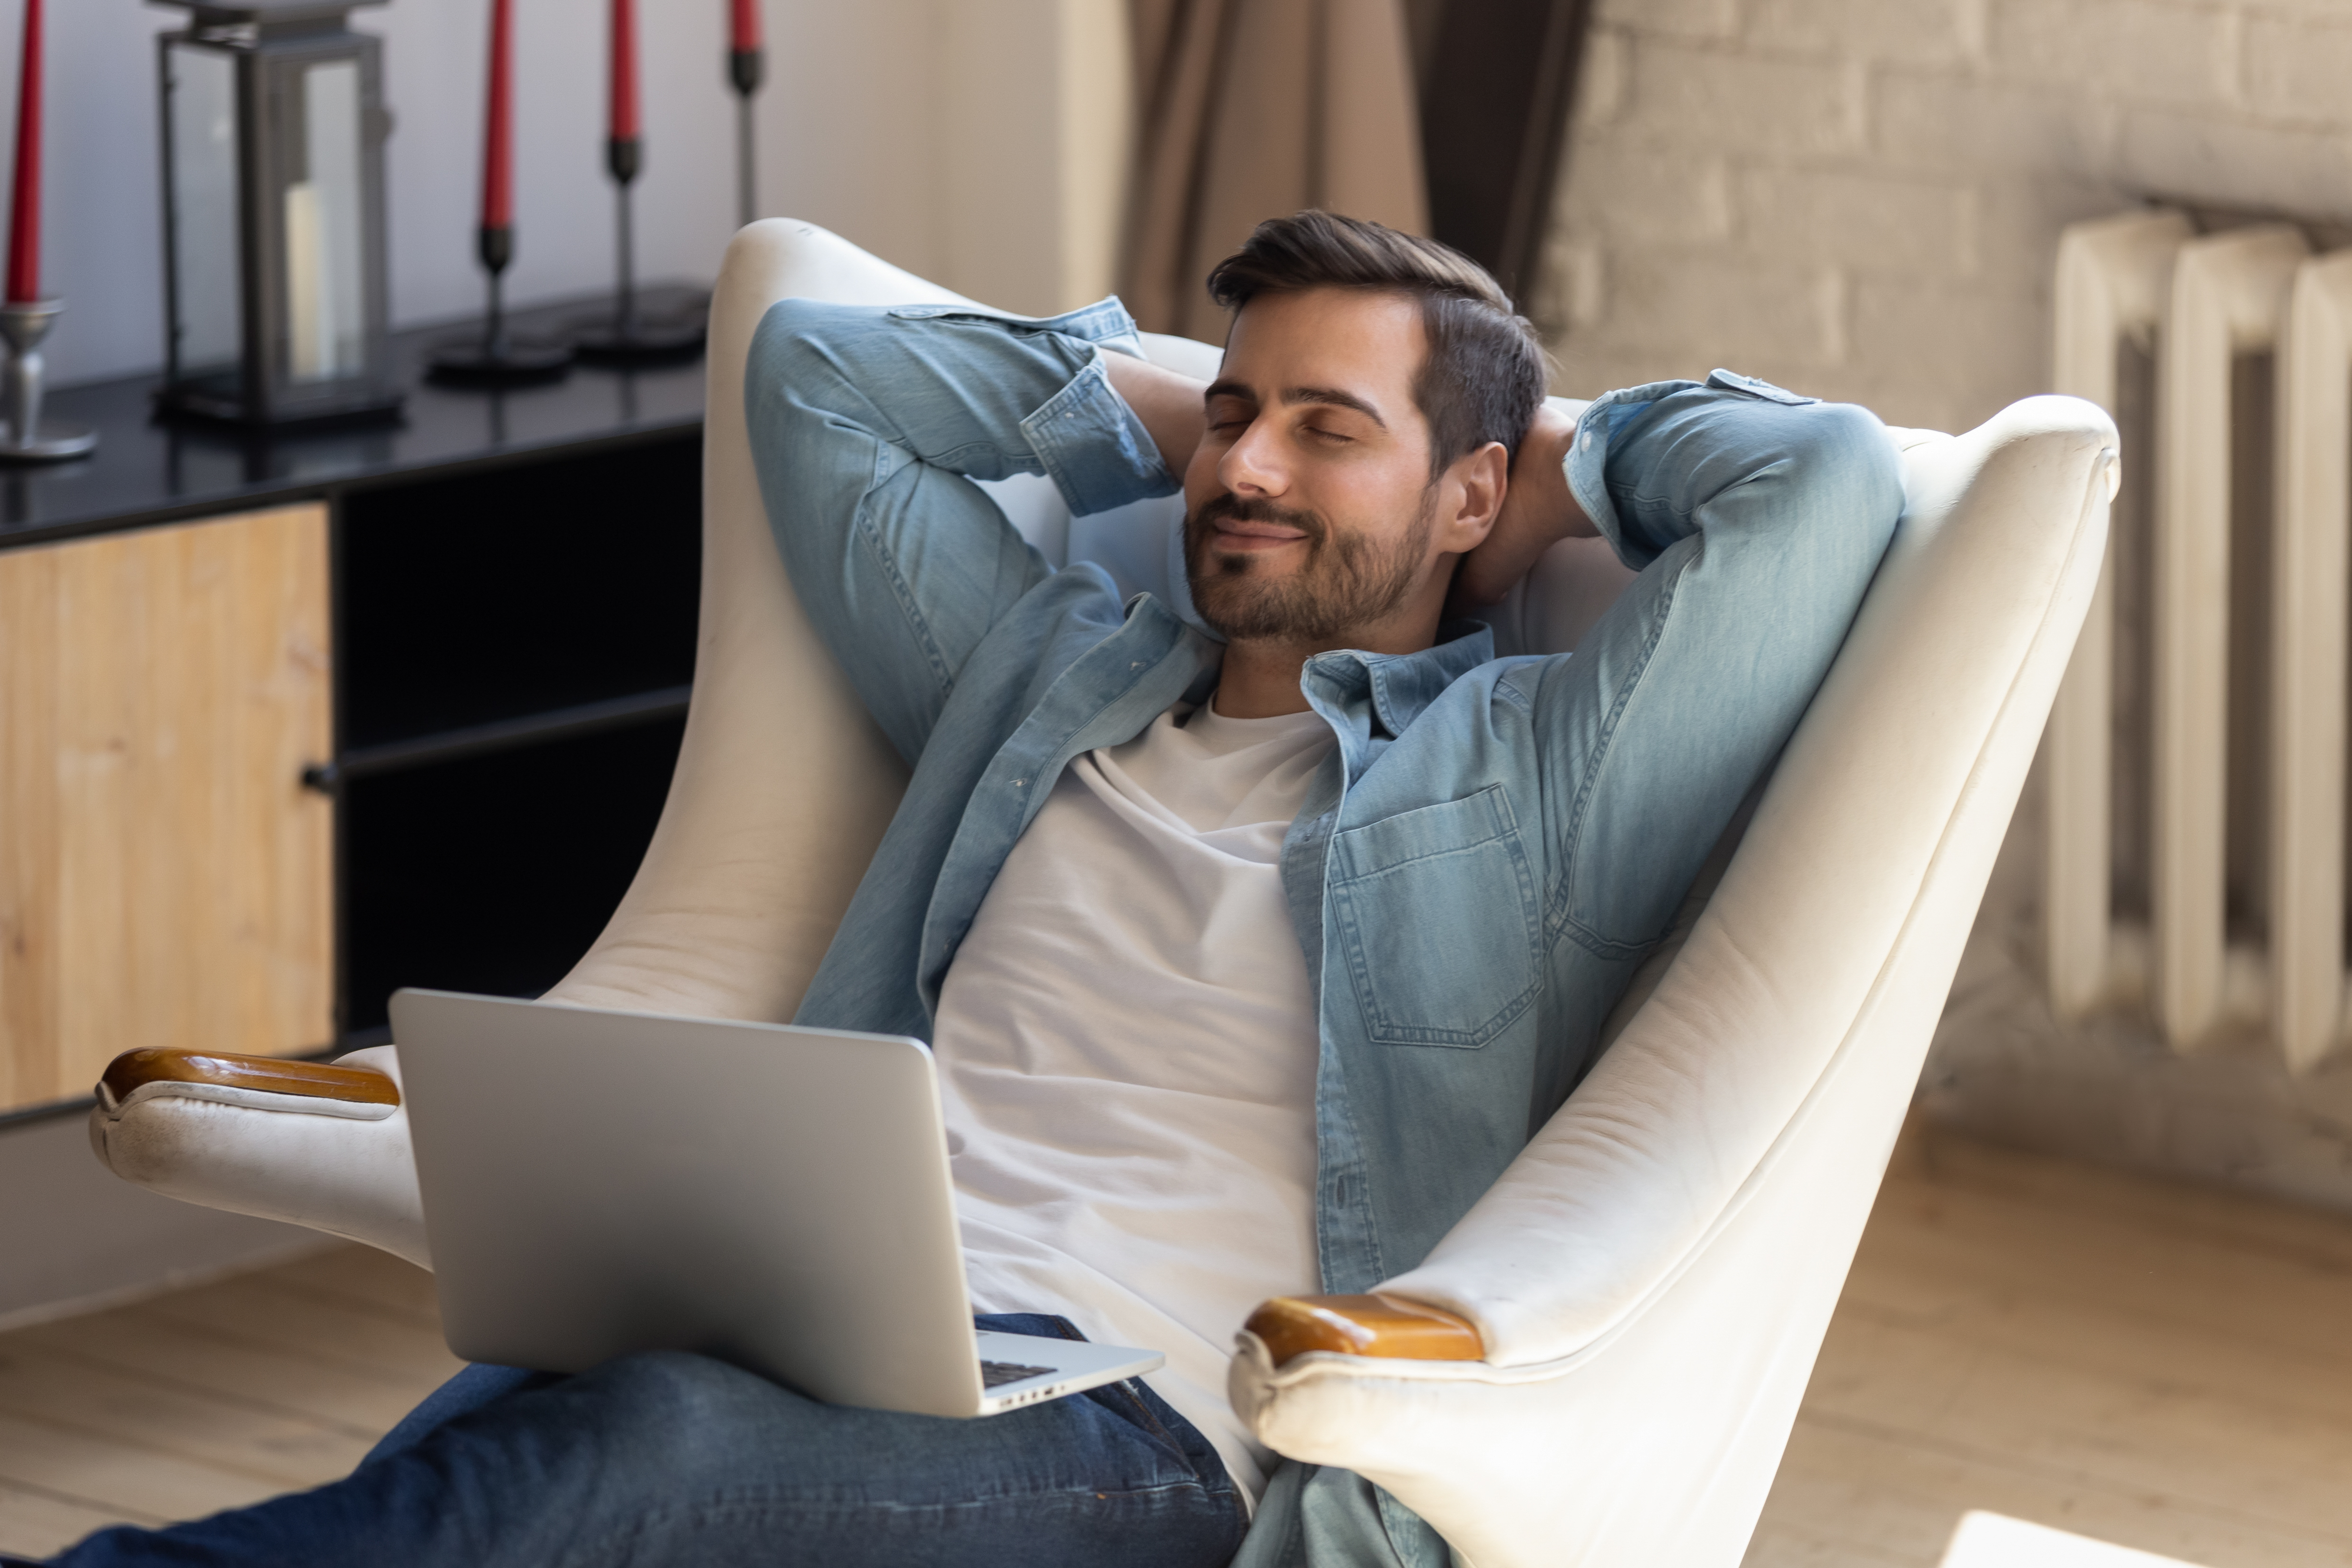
x=2160, y=1366
x=212, y=1398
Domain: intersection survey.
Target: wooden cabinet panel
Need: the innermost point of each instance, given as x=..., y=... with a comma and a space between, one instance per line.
x=164, y=878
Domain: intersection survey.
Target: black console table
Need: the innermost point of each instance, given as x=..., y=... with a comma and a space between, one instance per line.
x=510, y=582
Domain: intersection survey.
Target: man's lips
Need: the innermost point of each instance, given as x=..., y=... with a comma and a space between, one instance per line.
x=1236, y=533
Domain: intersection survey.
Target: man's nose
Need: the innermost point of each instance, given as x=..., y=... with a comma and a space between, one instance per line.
x=1253, y=465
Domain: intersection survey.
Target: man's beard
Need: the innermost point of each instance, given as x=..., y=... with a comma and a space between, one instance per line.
x=1346, y=582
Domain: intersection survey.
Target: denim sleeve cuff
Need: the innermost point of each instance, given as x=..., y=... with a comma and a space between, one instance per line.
x=1588, y=463
x=1094, y=448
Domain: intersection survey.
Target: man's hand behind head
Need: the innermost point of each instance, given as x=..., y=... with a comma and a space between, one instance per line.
x=1538, y=511
x=1168, y=403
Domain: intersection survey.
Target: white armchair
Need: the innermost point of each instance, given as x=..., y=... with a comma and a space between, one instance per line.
x=1629, y=1316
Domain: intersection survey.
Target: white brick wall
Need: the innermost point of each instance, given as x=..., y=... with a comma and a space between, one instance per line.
x=1862, y=198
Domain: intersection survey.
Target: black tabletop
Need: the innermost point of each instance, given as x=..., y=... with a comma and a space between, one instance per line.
x=148, y=470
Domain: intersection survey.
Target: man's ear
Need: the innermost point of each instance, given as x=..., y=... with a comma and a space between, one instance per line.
x=1474, y=485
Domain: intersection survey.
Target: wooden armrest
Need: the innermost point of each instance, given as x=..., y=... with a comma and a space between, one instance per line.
x=1364, y=1325
x=137, y=1070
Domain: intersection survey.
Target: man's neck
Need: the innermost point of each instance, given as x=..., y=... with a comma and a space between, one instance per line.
x=1260, y=680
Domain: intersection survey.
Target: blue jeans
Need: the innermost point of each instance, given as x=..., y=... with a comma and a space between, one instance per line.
x=668, y=1457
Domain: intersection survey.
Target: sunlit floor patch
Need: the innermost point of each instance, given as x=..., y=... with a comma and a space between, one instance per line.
x=1996, y=1540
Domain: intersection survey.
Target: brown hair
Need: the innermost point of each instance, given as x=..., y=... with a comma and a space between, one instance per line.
x=1484, y=374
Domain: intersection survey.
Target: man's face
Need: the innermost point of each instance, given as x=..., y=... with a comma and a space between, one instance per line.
x=1309, y=511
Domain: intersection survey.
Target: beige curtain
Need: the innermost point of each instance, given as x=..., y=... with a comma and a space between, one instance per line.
x=1252, y=110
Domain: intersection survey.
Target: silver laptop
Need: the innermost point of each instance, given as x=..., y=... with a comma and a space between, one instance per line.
x=597, y=1183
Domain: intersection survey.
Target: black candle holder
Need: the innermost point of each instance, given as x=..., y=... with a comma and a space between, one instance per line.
x=745, y=68
x=629, y=337
x=498, y=359
x=277, y=304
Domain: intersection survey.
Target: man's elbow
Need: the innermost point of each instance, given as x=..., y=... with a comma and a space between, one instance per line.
x=1847, y=464
x=809, y=354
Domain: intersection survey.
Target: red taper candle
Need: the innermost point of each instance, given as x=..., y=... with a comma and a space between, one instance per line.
x=24, y=206
x=745, y=36
x=498, y=124
x=623, y=119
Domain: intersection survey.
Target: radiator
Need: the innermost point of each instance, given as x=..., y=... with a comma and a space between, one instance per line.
x=2208, y=692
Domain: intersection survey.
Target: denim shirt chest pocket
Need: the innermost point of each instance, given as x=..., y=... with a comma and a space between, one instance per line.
x=1438, y=921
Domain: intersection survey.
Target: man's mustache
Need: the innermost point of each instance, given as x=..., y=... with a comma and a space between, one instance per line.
x=1233, y=508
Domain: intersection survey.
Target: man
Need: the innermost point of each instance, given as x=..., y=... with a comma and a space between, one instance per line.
x=1253, y=934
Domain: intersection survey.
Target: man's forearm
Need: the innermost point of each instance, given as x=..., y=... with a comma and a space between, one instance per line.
x=1680, y=458
x=1169, y=405
x=853, y=412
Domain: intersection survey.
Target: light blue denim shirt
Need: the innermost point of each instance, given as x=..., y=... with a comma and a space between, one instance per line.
x=1493, y=845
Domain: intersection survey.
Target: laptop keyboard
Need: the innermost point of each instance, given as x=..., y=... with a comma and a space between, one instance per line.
x=997, y=1374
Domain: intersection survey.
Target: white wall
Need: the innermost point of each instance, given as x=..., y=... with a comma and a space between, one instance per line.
x=884, y=120
x=1018, y=168
x=1862, y=198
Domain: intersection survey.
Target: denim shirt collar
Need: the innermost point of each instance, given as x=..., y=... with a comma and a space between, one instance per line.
x=1371, y=698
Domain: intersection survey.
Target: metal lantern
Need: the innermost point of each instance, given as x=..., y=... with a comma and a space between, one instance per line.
x=273, y=213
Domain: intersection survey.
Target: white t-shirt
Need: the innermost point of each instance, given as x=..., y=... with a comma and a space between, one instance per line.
x=1126, y=1054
